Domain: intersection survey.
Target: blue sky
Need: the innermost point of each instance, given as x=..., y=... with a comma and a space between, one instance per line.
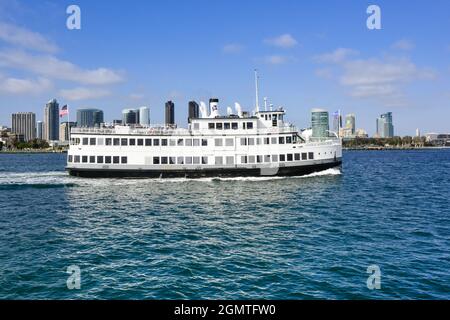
x=309, y=54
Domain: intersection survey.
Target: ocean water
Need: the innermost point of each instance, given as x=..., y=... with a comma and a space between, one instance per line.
x=256, y=238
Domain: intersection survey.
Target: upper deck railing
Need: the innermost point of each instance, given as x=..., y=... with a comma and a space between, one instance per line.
x=160, y=130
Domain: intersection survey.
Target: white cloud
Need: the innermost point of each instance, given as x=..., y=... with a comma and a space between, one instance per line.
x=25, y=38
x=16, y=86
x=282, y=41
x=277, y=59
x=136, y=96
x=383, y=79
x=52, y=67
x=403, y=44
x=338, y=55
x=232, y=48
x=83, y=93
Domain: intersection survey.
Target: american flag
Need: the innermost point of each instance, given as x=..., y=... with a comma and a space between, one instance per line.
x=64, y=111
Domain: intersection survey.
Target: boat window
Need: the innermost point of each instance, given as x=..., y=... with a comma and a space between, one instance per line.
x=188, y=160
x=234, y=125
x=218, y=161
x=230, y=160
x=92, y=141
x=288, y=139
x=132, y=142
x=274, y=158
x=266, y=140
x=251, y=141
x=85, y=141
x=249, y=125
x=243, y=141
x=211, y=125
x=116, y=160
x=108, y=159
x=243, y=159
x=273, y=140
x=227, y=126
x=148, y=142
x=196, y=142
x=229, y=142
x=267, y=158
x=297, y=156
x=218, y=142
x=77, y=159
x=311, y=155
x=156, y=142
x=282, y=157
x=251, y=159
x=116, y=141
x=219, y=126
x=244, y=125
x=180, y=160
x=91, y=159
x=180, y=142
x=164, y=160
x=164, y=142
x=100, y=141
x=84, y=159
x=281, y=140
x=172, y=142
x=99, y=159
x=188, y=143
x=70, y=158
x=124, y=160
x=140, y=142
x=259, y=159
x=274, y=117
x=258, y=141
x=204, y=142
x=172, y=160
x=124, y=142
x=289, y=157
x=274, y=123
x=196, y=126
x=108, y=141
x=196, y=160
x=304, y=156
x=155, y=160
x=204, y=160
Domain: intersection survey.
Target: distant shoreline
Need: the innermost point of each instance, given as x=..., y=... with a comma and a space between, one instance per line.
x=32, y=152
x=392, y=148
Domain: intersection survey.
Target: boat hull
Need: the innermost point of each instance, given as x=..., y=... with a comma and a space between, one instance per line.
x=202, y=173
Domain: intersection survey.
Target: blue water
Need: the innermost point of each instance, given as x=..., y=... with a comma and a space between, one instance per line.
x=283, y=238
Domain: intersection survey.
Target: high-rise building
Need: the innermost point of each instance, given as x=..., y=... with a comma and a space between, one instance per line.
x=24, y=123
x=193, y=111
x=64, y=130
x=144, y=116
x=51, y=121
x=40, y=130
x=170, y=113
x=320, y=123
x=89, y=118
x=385, y=126
x=130, y=116
x=337, y=122
x=350, y=124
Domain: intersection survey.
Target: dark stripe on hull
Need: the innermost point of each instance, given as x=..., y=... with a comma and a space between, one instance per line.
x=204, y=173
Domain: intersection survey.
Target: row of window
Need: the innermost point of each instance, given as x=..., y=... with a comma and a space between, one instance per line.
x=218, y=142
x=228, y=125
x=98, y=159
x=228, y=160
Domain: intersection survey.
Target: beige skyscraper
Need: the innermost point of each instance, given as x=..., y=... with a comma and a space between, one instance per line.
x=24, y=123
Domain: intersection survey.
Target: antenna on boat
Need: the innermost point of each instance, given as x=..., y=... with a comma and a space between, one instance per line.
x=256, y=91
x=265, y=103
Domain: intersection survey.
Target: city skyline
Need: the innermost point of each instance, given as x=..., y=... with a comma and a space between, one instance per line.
x=332, y=63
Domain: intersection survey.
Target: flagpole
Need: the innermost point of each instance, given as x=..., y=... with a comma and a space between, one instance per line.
x=68, y=122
